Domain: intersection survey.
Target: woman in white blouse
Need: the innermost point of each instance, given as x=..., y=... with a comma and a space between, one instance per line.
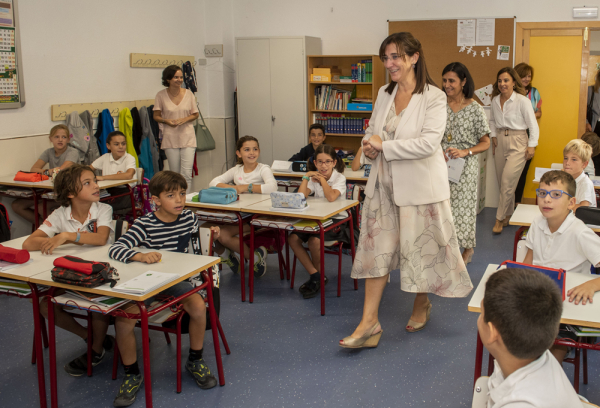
x=175, y=111
x=511, y=116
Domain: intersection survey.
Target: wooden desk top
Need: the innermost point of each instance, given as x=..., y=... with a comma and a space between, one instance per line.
x=580, y=315
x=349, y=174
x=184, y=265
x=48, y=185
x=244, y=201
x=525, y=214
x=319, y=209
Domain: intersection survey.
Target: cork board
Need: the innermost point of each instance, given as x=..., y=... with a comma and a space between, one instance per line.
x=438, y=38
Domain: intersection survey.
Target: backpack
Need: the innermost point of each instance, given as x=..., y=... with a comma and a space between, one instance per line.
x=216, y=195
x=189, y=76
x=79, y=272
x=4, y=224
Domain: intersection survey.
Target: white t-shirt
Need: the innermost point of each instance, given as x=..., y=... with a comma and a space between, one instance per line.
x=540, y=384
x=261, y=175
x=574, y=247
x=110, y=166
x=337, y=181
x=61, y=220
x=585, y=190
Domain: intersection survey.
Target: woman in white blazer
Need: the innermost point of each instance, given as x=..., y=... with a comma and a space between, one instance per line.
x=407, y=220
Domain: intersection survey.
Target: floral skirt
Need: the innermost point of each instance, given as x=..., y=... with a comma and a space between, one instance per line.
x=419, y=240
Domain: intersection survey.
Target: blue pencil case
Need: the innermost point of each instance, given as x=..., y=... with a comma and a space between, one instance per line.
x=559, y=276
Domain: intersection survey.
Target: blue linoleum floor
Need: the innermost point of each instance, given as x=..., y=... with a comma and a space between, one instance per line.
x=285, y=354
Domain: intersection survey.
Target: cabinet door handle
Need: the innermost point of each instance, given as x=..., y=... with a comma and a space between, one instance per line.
x=272, y=118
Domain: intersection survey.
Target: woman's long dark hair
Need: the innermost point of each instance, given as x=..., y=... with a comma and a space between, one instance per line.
x=462, y=73
x=329, y=151
x=516, y=78
x=408, y=45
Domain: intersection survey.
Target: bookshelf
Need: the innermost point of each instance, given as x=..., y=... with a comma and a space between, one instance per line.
x=346, y=141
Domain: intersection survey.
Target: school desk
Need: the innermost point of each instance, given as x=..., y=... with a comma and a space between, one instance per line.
x=184, y=265
x=581, y=315
x=23, y=273
x=230, y=214
x=37, y=189
x=319, y=210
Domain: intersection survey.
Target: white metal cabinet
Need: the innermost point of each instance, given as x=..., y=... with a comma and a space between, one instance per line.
x=271, y=86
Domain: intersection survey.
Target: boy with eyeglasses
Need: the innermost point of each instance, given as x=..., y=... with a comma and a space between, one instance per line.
x=557, y=239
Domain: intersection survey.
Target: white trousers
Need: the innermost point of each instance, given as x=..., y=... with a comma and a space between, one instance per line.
x=181, y=161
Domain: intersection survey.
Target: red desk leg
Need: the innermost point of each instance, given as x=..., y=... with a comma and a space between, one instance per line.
x=478, y=359
x=35, y=209
x=214, y=324
x=242, y=260
x=287, y=254
x=38, y=344
x=52, y=341
x=322, y=266
x=251, y=264
x=146, y=353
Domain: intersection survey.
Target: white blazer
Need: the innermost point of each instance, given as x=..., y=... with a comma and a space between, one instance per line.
x=418, y=168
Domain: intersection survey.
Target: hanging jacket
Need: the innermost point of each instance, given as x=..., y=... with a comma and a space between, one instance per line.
x=105, y=126
x=136, y=132
x=149, y=143
x=126, y=126
x=92, y=153
x=77, y=134
x=155, y=131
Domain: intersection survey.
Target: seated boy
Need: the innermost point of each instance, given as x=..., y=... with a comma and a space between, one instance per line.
x=170, y=229
x=316, y=137
x=577, y=154
x=593, y=140
x=519, y=319
x=557, y=239
x=80, y=219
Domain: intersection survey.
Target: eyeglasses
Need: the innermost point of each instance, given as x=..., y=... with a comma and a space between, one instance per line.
x=553, y=193
x=327, y=162
x=394, y=57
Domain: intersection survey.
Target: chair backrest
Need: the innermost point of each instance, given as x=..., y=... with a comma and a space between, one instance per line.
x=139, y=174
x=120, y=227
x=589, y=215
x=588, y=405
x=556, y=166
x=480, y=393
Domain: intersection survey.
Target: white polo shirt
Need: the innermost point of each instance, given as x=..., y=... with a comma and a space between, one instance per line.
x=585, y=190
x=337, y=181
x=574, y=247
x=61, y=220
x=540, y=384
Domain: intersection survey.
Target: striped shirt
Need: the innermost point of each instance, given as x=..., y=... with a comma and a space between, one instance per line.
x=150, y=232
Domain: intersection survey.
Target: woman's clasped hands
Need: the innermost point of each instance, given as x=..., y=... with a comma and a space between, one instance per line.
x=372, y=147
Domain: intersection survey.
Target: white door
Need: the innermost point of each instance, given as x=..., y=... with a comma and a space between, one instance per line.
x=288, y=104
x=254, y=94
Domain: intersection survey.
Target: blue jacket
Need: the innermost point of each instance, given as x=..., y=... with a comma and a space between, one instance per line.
x=105, y=126
x=148, y=149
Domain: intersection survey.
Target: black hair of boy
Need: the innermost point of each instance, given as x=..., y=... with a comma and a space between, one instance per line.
x=525, y=307
x=462, y=73
x=168, y=74
x=68, y=182
x=113, y=134
x=316, y=126
x=329, y=151
x=554, y=176
x=166, y=181
x=593, y=140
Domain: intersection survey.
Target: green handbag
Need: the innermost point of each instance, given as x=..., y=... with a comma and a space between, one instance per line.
x=204, y=140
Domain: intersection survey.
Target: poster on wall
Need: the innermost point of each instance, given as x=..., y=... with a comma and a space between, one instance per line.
x=6, y=14
x=486, y=31
x=465, y=34
x=12, y=94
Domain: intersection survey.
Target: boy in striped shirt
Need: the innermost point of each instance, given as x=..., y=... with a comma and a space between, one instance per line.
x=170, y=229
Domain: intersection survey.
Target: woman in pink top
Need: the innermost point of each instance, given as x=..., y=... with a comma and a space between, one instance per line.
x=175, y=110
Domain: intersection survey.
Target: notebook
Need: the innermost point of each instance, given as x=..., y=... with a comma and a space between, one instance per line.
x=145, y=283
x=280, y=166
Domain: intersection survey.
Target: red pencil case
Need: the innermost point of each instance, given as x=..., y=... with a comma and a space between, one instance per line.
x=30, y=176
x=79, y=265
x=559, y=276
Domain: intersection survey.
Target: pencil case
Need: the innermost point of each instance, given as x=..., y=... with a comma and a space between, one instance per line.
x=288, y=200
x=216, y=195
x=30, y=177
x=12, y=255
x=559, y=276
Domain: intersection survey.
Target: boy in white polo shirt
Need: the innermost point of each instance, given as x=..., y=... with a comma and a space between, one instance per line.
x=577, y=155
x=83, y=220
x=556, y=239
x=520, y=314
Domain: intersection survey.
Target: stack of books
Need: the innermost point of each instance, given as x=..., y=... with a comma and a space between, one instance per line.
x=310, y=225
x=90, y=301
x=275, y=222
x=104, y=194
x=13, y=286
x=363, y=71
x=581, y=331
x=340, y=123
x=329, y=97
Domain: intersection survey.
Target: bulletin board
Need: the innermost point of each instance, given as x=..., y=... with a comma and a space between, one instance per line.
x=439, y=41
x=12, y=91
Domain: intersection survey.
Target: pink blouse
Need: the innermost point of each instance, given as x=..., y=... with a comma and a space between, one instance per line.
x=181, y=136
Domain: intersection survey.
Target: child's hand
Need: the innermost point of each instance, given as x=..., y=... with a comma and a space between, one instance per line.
x=241, y=189
x=216, y=232
x=584, y=292
x=311, y=174
x=151, y=257
x=48, y=245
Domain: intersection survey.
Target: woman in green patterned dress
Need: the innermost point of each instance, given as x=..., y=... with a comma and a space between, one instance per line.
x=467, y=134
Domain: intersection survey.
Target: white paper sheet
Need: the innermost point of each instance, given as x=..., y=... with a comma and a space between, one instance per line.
x=465, y=33
x=503, y=52
x=539, y=172
x=486, y=31
x=455, y=169
x=485, y=94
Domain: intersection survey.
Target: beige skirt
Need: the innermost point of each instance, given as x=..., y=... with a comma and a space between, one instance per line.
x=419, y=240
